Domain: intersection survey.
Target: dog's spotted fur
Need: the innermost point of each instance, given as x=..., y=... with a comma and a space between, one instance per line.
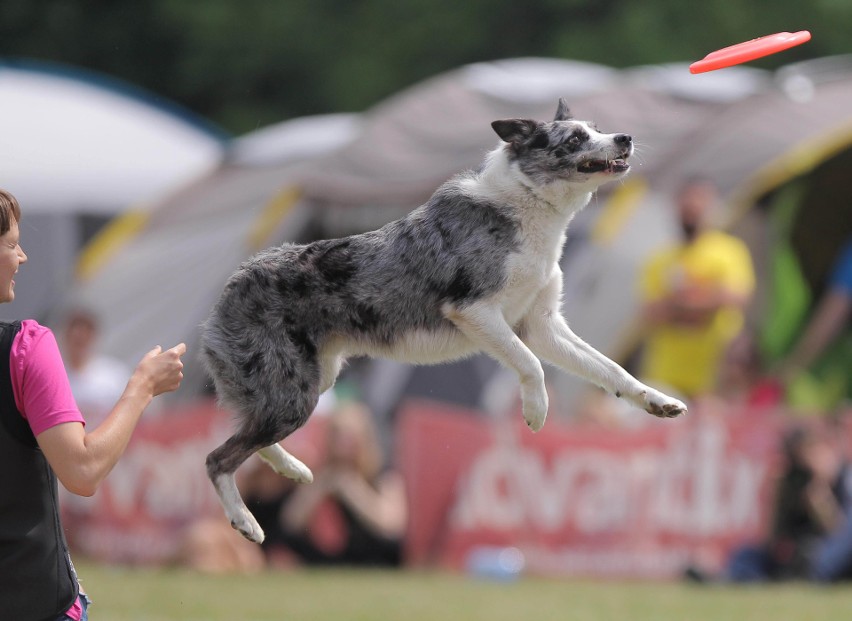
x=474, y=269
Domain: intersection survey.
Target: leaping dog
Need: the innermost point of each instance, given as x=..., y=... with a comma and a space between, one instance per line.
x=474, y=269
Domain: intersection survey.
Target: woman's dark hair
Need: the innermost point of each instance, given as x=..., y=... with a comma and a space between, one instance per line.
x=9, y=209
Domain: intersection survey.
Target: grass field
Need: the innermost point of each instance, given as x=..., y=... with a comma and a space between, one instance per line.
x=360, y=595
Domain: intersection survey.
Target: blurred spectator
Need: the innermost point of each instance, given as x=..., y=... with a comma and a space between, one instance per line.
x=810, y=535
x=825, y=327
x=97, y=381
x=355, y=511
x=693, y=295
x=832, y=557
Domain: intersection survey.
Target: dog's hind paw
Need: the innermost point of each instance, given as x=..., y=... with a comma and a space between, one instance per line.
x=294, y=469
x=285, y=464
x=247, y=526
x=301, y=473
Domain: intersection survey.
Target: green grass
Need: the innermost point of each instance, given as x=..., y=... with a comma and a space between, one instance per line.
x=361, y=595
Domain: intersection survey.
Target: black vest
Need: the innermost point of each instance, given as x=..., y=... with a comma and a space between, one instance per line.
x=37, y=579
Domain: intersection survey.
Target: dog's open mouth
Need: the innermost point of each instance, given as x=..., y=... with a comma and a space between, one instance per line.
x=597, y=166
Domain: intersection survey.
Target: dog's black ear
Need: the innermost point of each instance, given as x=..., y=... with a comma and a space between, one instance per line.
x=562, y=111
x=515, y=131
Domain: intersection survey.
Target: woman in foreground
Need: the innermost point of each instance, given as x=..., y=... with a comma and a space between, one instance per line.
x=43, y=439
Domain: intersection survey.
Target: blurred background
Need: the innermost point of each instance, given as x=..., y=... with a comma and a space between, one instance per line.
x=154, y=145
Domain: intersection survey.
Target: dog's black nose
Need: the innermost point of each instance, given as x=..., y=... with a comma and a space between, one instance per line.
x=624, y=139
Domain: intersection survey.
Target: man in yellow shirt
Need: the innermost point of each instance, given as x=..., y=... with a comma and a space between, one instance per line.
x=694, y=295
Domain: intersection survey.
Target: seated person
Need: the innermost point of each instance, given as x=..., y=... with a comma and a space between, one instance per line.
x=809, y=535
x=355, y=511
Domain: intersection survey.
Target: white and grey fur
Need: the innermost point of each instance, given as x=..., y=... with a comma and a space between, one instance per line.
x=475, y=269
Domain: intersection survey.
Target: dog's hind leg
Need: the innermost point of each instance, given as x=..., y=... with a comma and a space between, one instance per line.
x=275, y=455
x=222, y=463
x=285, y=464
x=259, y=434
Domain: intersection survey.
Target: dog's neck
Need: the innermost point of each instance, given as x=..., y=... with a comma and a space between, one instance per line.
x=562, y=198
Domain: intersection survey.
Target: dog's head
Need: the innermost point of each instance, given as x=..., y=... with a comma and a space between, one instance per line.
x=564, y=150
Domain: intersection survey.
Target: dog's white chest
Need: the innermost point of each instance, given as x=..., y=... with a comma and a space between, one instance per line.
x=523, y=286
x=528, y=273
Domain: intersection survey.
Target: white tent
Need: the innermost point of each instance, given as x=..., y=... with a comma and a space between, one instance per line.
x=72, y=140
x=77, y=148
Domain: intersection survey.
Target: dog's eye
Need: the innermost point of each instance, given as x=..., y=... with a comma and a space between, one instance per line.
x=577, y=138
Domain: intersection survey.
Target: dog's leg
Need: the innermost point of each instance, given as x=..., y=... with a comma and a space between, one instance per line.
x=285, y=464
x=275, y=455
x=485, y=326
x=255, y=436
x=548, y=335
x=222, y=463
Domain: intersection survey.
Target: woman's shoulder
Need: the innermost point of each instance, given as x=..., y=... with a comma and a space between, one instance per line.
x=33, y=325
x=31, y=328
x=31, y=335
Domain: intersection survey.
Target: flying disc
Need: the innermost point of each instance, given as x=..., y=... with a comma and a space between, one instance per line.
x=749, y=50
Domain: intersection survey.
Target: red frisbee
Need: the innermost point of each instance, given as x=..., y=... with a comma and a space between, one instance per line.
x=749, y=50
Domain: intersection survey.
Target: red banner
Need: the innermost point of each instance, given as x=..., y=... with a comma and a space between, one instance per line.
x=572, y=500
x=625, y=503
x=157, y=488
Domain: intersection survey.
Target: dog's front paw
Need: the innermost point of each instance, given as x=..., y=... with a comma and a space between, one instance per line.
x=535, y=406
x=662, y=406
